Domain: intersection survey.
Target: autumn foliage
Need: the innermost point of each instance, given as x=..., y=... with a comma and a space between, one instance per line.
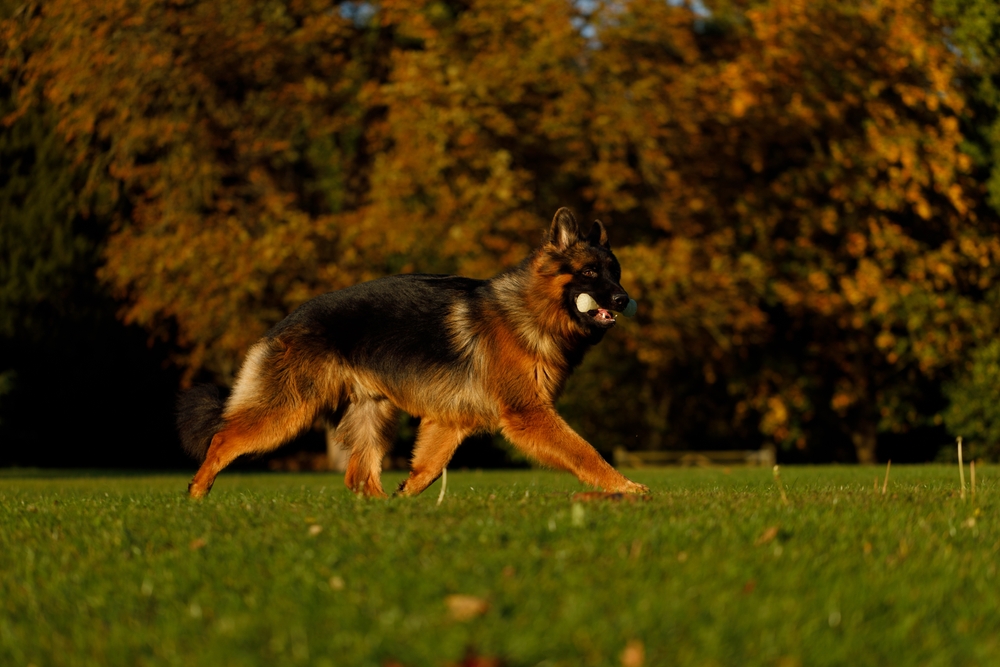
x=784, y=183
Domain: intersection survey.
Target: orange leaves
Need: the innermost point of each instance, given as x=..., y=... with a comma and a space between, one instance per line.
x=694, y=295
x=204, y=120
x=783, y=184
x=822, y=142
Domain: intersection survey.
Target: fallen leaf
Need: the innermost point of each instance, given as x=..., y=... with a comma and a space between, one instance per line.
x=769, y=534
x=634, y=654
x=466, y=607
x=197, y=543
x=473, y=660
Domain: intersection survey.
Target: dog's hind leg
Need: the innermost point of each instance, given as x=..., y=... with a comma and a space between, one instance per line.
x=246, y=434
x=272, y=402
x=436, y=444
x=368, y=428
x=251, y=432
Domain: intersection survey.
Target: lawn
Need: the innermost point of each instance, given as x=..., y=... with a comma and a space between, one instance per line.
x=714, y=568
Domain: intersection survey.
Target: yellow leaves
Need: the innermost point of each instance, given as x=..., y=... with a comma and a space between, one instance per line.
x=865, y=283
x=922, y=207
x=841, y=401
x=787, y=196
x=788, y=294
x=828, y=220
x=741, y=101
x=775, y=420
x=911, y=95
x=885, y=340
x=819, y=281
x=799, y=110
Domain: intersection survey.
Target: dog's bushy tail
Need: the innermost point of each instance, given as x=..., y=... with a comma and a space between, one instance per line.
x=199, y=417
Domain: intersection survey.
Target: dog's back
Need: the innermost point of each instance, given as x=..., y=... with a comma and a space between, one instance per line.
x=395, y=326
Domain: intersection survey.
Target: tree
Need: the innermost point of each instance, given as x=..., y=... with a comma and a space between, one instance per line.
x=796, y=174
x=972, y=28
x=787, y=185
x=67, y=366
x=228, y=135
x=44, y=242
x=972, y=411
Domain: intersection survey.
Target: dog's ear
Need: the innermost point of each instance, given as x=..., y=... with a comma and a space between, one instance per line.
x=565, y=231
x=598, y=236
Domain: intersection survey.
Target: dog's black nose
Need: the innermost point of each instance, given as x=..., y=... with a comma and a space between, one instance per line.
x=620, y=301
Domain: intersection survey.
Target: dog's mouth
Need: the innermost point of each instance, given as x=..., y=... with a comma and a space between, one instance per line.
x=600, y=316
x=605, y=317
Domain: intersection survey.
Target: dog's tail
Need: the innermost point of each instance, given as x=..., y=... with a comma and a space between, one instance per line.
x=199, y=417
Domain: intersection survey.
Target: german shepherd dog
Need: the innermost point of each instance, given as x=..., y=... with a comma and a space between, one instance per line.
x=465, y=356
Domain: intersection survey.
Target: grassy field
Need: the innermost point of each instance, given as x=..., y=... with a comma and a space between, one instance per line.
x=712, y=569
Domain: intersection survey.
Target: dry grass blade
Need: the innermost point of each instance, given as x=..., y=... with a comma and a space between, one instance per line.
x=781, y=487
x=961, y=468
x=972, y=478
x=444, y=484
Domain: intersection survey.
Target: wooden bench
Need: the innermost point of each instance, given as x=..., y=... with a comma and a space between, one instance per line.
x=675, y=457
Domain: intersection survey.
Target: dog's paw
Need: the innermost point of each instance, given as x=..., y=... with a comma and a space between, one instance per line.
x=634, y=487
x=197, y=492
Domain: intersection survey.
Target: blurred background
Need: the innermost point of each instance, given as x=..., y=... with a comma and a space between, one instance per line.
x=804, y=198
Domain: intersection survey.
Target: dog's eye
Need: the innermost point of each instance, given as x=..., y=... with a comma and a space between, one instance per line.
x=589, y=273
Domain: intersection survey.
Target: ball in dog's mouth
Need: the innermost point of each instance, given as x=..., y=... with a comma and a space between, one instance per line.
x=587, y=304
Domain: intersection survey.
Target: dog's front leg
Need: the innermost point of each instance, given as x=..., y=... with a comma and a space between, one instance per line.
x=543, y=435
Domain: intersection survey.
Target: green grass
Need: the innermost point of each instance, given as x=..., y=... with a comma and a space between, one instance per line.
x=124, y=570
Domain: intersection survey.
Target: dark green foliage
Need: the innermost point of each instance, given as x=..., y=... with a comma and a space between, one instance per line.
x=71, y=375
x=974, y=404
x=974, y=31
x=45, y=246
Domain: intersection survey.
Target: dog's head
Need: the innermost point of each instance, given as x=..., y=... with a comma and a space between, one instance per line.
x=592, y=295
